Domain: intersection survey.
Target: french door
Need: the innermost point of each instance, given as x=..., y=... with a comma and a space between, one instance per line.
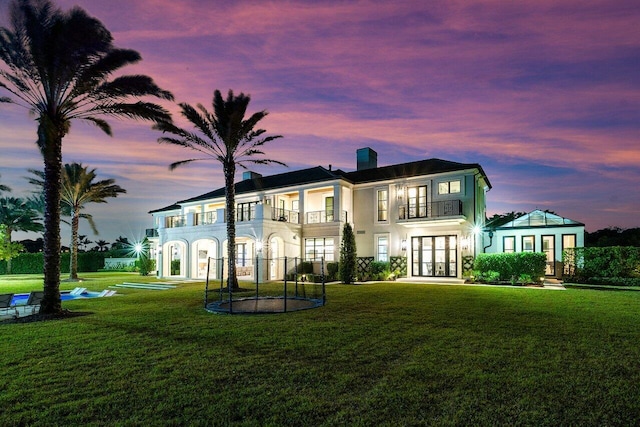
x=434, y=256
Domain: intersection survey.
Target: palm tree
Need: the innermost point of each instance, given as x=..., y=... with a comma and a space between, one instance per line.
x=101, y=245
x=78, y=189
x=17, y=215
x=4, y=188
x=226, y=136
x=59, y=66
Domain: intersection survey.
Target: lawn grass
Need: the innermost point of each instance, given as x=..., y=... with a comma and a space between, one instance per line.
x=376, y=354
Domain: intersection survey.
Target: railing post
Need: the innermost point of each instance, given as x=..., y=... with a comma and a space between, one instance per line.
x=285, y=284
x=206, y=284
x=324, y=294
x=295, y=260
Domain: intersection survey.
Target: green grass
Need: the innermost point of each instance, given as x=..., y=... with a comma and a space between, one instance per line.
x=378, y=354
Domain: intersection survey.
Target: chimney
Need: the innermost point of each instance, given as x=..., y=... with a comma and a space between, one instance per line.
x=250, y=175
x=367, y=158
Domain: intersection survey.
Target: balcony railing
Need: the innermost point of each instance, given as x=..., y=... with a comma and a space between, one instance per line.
x=321, y=217
x=439, y=209
x=284, y=215
x=175, y=221
x=206, y=218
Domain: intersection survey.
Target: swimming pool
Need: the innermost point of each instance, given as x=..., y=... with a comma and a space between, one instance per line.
x=21, y=299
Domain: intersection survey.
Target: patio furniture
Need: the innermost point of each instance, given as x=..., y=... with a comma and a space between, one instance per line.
x=33, y=302
x=5, y=302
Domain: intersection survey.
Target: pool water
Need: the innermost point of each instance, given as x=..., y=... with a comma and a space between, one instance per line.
x=21, y=299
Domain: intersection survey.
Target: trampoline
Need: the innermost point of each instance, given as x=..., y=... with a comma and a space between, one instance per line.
x=263, y=305
x=296, y=290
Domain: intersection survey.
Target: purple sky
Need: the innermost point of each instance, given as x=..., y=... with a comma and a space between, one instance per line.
x=545, y=95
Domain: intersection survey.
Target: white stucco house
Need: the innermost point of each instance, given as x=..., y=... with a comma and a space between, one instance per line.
x=537, y=231
x=422, y=213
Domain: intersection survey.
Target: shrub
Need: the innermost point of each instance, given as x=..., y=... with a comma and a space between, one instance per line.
x=33, y=263
x=510, y=266
x=348, y=255
x=332, y=271
x=605, y=262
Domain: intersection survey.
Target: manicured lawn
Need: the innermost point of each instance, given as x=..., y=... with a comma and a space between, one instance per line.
x=377, y=354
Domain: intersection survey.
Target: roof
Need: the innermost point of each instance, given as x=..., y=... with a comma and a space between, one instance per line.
x=299, y=177
x=406, y=170
x=320, y=174
x=538, y=218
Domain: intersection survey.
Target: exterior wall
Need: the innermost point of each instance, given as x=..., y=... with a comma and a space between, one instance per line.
x=357, y=204
x=367, y=227
x=497, y=242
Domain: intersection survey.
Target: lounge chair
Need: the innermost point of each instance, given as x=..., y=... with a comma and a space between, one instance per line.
x=77, y=291
x=5, y=302
x=33, y=302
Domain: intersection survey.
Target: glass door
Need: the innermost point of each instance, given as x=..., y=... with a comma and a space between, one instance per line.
x=548, y=247
x=434, y=256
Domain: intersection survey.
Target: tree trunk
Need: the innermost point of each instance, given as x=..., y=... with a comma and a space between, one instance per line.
x=8, y=238
x=230, y=197
x=73, y=259
x=50, y=143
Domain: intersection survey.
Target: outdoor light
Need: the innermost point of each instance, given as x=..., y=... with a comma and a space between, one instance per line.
x=403, y=245
x=258, y=245
x=476, y=229
x=138, y=248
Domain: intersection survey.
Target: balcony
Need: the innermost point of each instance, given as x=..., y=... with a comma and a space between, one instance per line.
x=284, y=215
x=441, y=209
x=205, y=218
x=323, y=217
x=175, y=221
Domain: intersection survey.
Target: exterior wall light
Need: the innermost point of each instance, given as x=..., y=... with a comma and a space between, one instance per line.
x=403, y=245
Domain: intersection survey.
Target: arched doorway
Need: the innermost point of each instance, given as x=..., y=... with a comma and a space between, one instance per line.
x=174, y=259
x=202, y=250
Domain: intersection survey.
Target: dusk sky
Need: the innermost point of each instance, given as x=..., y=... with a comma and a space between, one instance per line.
x=545, y=95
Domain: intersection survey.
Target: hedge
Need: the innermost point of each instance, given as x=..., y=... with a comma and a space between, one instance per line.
x=511, y=266
x=603, y=265
x=33, y=263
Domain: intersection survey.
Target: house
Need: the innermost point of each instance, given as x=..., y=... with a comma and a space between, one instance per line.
x=537, y=231
x=420, y=215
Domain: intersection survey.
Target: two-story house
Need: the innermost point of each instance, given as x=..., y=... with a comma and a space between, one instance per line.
x=424, y=211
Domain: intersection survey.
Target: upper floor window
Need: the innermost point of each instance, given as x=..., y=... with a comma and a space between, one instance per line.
x=383, y=205
x=449, y=187
x=245, y=211
x=417, y=202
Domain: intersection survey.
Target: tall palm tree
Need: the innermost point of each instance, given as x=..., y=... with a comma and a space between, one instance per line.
x=226, y=136
x=16, y=214
x=60, y=66
x=78, y=189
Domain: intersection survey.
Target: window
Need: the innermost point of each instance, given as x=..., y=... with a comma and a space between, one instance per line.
x=416, y=206
x=383, y=205
x=245, y=211
x=449, y=187
x=241, y=254
x=315, y=249
x=568, y=241
x=528, y=244
x=509, y=244
x=382, y=248
x=328, y=208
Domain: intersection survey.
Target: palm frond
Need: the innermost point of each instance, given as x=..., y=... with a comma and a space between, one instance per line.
x=102, y=124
